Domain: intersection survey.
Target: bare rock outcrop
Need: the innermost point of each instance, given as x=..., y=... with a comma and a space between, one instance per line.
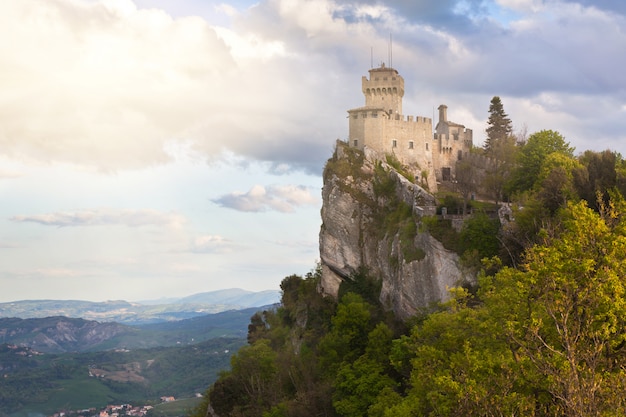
x=371, y=217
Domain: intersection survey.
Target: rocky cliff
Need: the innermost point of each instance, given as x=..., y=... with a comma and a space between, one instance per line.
x=59, y=334
x=372, y=218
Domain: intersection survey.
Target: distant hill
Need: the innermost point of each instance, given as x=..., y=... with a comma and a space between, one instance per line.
x=59, y=334
x=235, y=297
x=144, y=312
x=62, y=334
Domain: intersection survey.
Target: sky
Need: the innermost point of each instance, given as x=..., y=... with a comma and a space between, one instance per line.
x=161, y=148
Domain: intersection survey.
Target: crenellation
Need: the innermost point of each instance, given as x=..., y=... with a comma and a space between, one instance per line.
x=381, y=126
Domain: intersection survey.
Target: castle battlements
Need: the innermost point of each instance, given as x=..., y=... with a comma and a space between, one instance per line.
x=381, y=126
x=376, y=112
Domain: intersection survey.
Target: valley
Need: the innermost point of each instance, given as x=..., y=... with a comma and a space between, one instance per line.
x=56, y=363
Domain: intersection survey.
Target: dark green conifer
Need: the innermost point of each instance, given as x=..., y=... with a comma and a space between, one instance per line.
x=500, y=126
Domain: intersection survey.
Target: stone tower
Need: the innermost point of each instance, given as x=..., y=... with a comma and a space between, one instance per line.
x=381, y=126
x=453, y=142
x=384, y=90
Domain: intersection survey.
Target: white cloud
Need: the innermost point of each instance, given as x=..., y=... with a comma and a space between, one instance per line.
x=114, y=83
x=104, y=216
x=106, y=84
x=282, y=198
x=103, y=83
x=7, y=174
x=526, y=6
x=211, y=244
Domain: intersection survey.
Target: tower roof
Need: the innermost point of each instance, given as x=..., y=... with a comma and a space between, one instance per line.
x=384, y=68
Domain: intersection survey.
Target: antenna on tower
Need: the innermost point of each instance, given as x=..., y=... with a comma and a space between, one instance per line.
x=371, y=57
x=390, y=52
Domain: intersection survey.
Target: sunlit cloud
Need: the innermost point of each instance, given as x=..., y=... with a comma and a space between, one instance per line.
x=282, y=198
x=104, y=216
x=7, y=174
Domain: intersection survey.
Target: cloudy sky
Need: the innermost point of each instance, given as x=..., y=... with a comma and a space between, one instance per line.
x=156, y=148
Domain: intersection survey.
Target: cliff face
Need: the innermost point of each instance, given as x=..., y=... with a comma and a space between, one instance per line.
x=371, y=218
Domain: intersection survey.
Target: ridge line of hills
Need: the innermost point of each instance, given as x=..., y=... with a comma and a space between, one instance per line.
x=142, y=312
x=59, y=334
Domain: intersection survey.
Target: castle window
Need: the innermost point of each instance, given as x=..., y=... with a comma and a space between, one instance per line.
x=459, y=155
x=426, y=145
x=355, y=116
x=364, y=115
x=374, y=114
x=410, y=144
x=356, y=143
x=394, y=143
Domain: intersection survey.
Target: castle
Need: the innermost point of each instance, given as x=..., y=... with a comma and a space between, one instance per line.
x=381, y=126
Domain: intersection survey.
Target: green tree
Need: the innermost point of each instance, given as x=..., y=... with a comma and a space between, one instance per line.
x=359, y=384
x=461, y=366
x=500, y=126
x=480, y=233
x=555, y=183
x=599, y=172
x=566, y=311
x=255, y=371
x=532, y=156
x=347, y=338
x=502, y=156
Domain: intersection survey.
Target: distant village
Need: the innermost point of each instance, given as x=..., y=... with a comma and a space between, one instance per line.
x=114, y=410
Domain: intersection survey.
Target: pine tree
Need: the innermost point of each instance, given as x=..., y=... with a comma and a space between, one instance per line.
x=500, y=127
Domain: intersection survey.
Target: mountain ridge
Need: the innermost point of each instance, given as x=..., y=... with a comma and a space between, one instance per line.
x=135, y=312
x=58, y=334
